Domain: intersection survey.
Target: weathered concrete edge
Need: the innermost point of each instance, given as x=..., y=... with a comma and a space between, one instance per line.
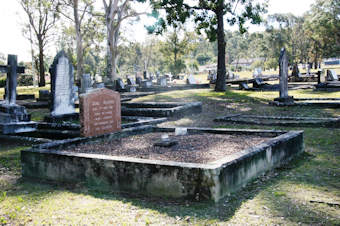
x=234, y=174
x=210, y=181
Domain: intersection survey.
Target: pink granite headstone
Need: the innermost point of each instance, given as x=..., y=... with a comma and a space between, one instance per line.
x=100, y=112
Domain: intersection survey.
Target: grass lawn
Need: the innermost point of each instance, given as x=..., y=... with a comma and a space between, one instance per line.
x=306, y=191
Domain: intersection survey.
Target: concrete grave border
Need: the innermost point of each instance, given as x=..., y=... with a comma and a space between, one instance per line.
x=160, y=109
x=292, y=121
x=71, y=130
x=171, y=179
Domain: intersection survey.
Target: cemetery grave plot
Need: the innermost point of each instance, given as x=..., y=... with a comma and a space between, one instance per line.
x=280, y=121
x=160, y=109
x=210, y=179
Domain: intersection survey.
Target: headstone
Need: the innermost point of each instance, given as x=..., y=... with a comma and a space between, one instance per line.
x=191, y=80
x=309, y=66
x=139, y=80
x=162, y=81
x=146, y=84
x=243, y=86
x=85, y=83
x=120, y=84
x=258, y=82
x=44, y=95
x=257, y=72
x=131, y=81
x=75, y=96
x=283, y=76
x=100, y=112
x=62, y=85
x=99, y=85
x=145, y=75
x=331, y=75
x=295, y=71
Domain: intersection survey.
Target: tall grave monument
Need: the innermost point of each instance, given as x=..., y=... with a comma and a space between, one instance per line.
x=13, y=117
x=284, y=99
x=62, y=94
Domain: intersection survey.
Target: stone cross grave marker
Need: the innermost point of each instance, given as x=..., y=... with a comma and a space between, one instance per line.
x=100, y=112
x=11, y=69
x=62, y=85
x=13, y=117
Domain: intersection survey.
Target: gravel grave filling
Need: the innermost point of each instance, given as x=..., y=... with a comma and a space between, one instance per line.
x=191, y=148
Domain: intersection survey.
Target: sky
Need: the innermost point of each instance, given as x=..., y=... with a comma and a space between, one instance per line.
x=12, y=18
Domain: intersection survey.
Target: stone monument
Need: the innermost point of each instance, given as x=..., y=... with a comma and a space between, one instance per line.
x=100, y=112
x=162, y=81
x=85, y=83
x=331, y=75
x=62, y=86
x=191, y=80
x=283, y=76
x=13, y=117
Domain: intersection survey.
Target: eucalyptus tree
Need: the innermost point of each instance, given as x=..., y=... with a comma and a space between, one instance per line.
x=322, y=26
x=116, y=11
x=42, y=16
x=81, y=14
x=209, y=16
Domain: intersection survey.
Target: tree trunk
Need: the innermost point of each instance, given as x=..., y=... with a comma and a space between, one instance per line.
x=41, y=64
x=79, y=40
x=221, y=72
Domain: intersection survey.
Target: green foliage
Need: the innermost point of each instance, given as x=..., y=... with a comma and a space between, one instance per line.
x=2, y=81
x=25, y=80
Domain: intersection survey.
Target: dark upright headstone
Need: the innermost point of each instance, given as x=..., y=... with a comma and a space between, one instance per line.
x=145, y=75
x=120, y=84
x=62, y=86
x=283, y=75
x=139, y=80
x=131, y=81
x=295, y=71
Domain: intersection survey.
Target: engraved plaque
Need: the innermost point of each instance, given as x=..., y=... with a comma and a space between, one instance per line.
x=100, y=112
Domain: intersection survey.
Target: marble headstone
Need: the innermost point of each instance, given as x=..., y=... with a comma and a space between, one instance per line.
x=62, y=86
